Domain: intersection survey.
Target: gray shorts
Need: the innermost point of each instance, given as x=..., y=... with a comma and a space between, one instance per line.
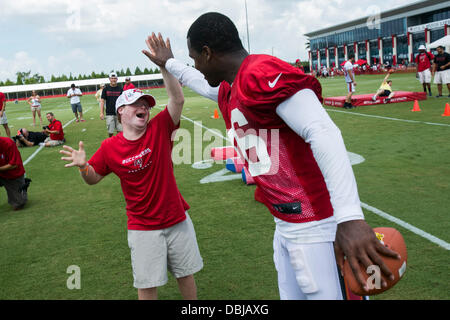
x=16, y=198
x=112, y=124
x=76, y=107
x=4, y=119
x=156, y=251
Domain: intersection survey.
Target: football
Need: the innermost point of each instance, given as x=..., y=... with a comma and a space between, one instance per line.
x=392, y=239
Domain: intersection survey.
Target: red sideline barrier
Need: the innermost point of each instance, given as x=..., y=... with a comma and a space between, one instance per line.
x=223, y=153
x=366, y=99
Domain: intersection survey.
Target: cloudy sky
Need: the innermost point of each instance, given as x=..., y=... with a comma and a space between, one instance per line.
x=80, y=36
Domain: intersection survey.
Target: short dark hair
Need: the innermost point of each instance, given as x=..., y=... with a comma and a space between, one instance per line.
x=216, y=31
x=351, y=56
x=51, y=113
x=72, y=85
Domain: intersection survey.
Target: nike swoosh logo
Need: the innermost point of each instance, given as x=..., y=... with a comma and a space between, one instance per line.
x=272, y=84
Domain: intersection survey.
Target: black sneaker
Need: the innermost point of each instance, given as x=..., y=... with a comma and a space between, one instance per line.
x=387, y=100
x=438, y=96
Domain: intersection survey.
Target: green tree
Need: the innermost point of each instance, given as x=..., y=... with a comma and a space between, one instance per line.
x=137, y=71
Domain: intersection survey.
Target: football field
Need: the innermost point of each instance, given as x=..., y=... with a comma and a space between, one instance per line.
x=403, y=180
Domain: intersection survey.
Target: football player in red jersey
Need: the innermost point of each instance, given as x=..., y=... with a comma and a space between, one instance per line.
x=301, y=169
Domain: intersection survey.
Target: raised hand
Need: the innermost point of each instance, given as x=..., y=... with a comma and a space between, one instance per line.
x=160, y=50
x=75, y=157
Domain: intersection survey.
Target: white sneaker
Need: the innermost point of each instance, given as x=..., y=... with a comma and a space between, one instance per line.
x=42, y=144
x=374, y=98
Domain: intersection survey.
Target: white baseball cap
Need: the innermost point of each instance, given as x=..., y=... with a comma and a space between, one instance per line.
x=131, y=96
x=422, y=47
x=113, y=75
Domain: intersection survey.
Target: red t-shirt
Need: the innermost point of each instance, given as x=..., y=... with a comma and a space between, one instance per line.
x=280, y=161
x=56, y=125
x=2, y=99
x=145, y=170
x=128, y=86
x=423, y=61
x=9, y=154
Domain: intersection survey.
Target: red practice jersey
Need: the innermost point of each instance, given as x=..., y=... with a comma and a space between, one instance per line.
x=289, y=181
x=145, y=169
x=423, y=61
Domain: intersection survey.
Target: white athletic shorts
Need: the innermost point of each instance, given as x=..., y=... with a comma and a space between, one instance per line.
x=156, y=251
x=425, y=76
x=4, y=119
x=351, y=87
x=306, y=271
x=36, y=107
x=442, y=77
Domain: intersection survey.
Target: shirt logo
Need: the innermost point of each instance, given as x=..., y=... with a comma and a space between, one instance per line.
x=272, y=84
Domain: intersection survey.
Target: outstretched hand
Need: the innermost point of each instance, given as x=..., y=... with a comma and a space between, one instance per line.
x=75, y=157
x=160, y=50
x=357, y=242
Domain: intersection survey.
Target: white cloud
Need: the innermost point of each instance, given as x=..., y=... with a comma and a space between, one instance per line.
x=21, y=61
x=81, y=36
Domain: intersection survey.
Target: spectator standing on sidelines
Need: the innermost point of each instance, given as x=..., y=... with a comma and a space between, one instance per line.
x=74, y=95
x=3, y=118
x=441, y=70
x=98, y=94
x=298, y=64
x=109, y=97
x=349, y=75
x=35, y=104
x=12, y=174
x=128, y=84
x=423, y=68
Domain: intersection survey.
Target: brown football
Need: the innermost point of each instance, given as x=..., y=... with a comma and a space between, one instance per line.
x=393, y=239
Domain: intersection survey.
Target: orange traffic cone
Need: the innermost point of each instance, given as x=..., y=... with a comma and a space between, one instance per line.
x=446, y=111
x=416, y=106
x=216, y=114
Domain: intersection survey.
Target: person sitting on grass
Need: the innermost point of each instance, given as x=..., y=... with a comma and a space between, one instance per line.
x=55, y=132
x=385, y=89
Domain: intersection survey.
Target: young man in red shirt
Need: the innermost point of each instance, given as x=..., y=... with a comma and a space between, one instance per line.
x=55, y=130
x=423, y=68
x=161, y=235
x=128, y=84
x=294, y=152
x=12, y=174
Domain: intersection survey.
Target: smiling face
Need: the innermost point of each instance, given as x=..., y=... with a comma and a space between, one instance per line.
x=135, y=115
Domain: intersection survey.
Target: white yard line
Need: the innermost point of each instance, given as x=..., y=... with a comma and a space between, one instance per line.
x=374, y=210
x=388, y=118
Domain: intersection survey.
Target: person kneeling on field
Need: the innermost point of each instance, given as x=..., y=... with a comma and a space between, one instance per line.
x=385, y=90
x=161, y=235
x=12, y=174
x=55, y=132
x=25, y=138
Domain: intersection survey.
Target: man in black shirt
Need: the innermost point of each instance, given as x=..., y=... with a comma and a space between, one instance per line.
x=109, y=96
x=441, y=70
x=27, y=138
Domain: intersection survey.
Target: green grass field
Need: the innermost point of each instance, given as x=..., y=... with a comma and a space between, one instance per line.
x=406, y=174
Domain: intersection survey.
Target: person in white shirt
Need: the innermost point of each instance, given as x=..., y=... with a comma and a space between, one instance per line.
x=74, y=95
x=349, y=75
